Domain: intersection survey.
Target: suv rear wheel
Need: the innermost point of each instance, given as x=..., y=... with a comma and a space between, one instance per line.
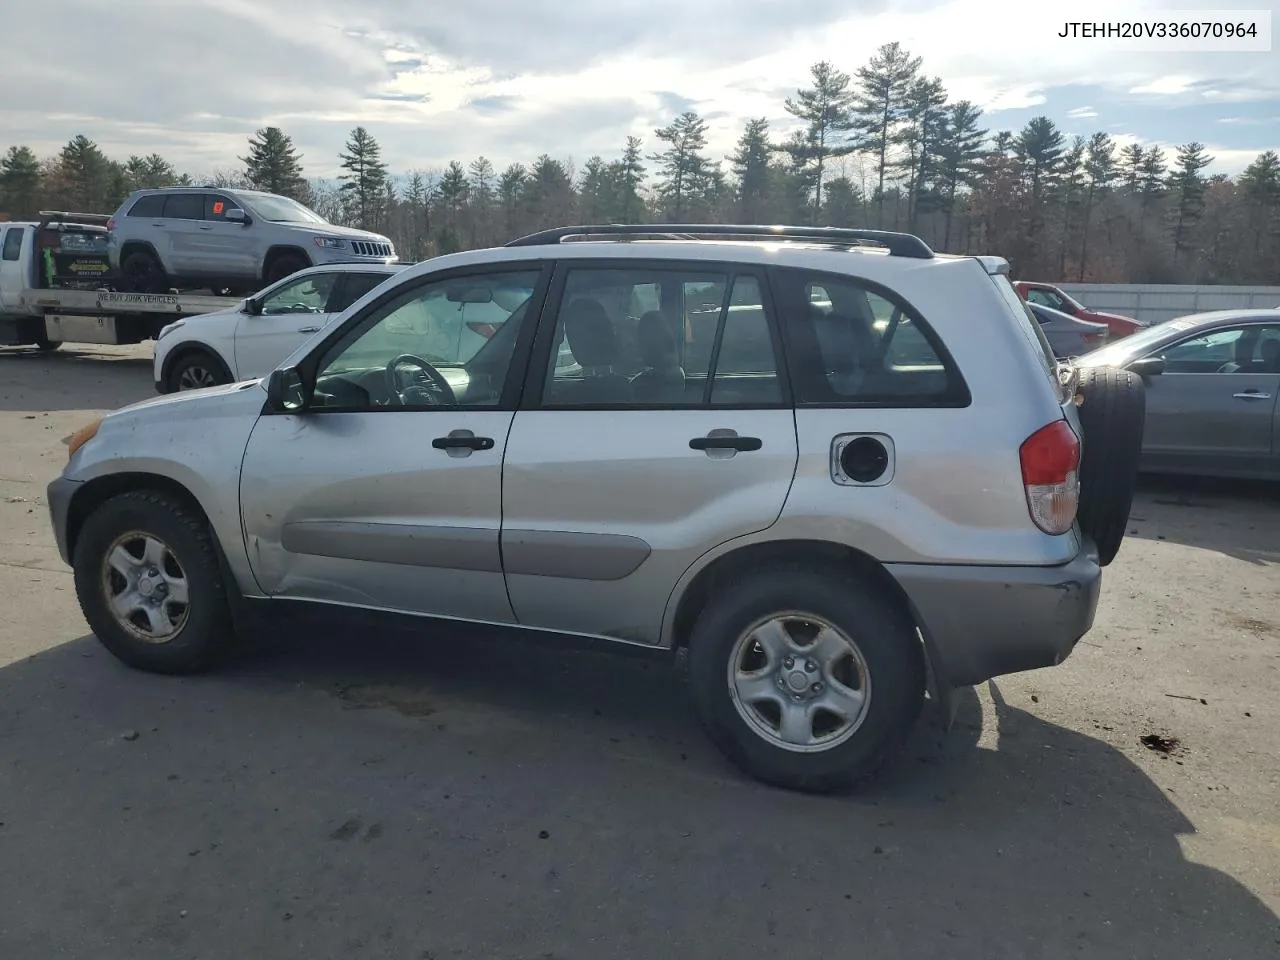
x=806, y=677
x=142, y=273
x=285, y=265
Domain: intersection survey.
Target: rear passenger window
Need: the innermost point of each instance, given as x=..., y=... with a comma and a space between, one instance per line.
x=12, y=243
x=853, y=343
x=151, y=205
x=355, y=286
x=184, y=206
x=704, y=340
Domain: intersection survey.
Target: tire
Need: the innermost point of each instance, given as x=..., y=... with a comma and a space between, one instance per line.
x=1112, y=415
x=283, y=266
x=195, y=370
x=141, y=272
x=45, y=345
x=884, y=637
x=202, y=629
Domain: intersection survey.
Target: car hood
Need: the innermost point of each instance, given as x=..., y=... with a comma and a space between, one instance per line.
x=190, y=404
x=332, y=230
x=1111, y=316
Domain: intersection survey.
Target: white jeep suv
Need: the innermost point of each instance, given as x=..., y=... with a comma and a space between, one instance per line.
x=841, y=470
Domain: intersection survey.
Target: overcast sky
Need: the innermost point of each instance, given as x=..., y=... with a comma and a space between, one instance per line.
x=436, y=80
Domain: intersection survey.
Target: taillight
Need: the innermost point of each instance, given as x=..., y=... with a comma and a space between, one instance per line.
x=1050, y=475
x=485, y=330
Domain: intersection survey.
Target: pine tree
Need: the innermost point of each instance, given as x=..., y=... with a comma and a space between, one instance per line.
x=510, y=190
x=960, y=155
x=364, y=182
x=879, y=105
x=750, y=164
x=451, y=196
x=20, y=183
x=1101, y=173
x=595, y=190
x=922, y=132
x=547, y=193
x=274, y=165
x=86, y=181
x=482, y=178
x=842, y=206
x=631, y=182
x=1131, y=158
x=417, y=197
x=1188, y=188
x=686, y=172
x=827, y=111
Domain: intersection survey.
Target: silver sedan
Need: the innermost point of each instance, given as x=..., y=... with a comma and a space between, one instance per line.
x=1212, y=380
x=1068, y=335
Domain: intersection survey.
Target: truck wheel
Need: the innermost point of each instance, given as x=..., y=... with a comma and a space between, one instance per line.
x=1112, y=417
x=285, y=265
x=150, y=586
x=194, y=371
x=45, y=345
x=806, y=677
x=142, y=273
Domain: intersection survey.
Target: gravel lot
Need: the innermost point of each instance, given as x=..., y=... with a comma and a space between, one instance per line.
x=461, y=796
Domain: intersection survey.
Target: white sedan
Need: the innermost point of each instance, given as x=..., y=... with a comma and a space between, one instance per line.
x=250, y=339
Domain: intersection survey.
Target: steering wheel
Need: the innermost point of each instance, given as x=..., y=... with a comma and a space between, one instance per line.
x=435, y=391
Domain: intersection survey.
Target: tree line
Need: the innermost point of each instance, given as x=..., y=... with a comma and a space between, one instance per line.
x=884, y=147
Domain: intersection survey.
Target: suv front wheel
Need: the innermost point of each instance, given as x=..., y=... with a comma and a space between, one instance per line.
x=805, y=677
x=150, y=585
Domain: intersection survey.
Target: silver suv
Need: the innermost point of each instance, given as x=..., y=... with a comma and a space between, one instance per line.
x=233, y=240
x=844, y=472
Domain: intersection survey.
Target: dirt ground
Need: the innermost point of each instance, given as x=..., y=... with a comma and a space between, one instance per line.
x=371, y=795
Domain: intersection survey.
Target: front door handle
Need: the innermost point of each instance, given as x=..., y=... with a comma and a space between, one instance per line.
x=722, y=444
x=460, y=443
x=308, y=329
x=1252, y=395
x=206, y=228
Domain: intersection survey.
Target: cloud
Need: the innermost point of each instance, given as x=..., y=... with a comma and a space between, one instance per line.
x=515, y=78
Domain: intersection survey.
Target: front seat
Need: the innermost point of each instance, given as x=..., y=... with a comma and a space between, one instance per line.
x=663, y=379
x=1270, y=352
x=594, y=345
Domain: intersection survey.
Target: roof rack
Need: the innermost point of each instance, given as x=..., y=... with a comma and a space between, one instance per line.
x=898, y=244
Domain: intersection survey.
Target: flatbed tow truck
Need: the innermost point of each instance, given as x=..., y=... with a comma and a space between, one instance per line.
x=56, y=286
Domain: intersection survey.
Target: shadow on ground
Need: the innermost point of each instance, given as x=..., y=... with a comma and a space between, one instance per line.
x=1237, y=518
x=353, y=795
x=73, y=378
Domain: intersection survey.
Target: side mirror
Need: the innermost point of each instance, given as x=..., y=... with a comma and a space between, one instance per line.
x=286, y=393
x=253, y=307
x=236, y=215
x=1148, y=367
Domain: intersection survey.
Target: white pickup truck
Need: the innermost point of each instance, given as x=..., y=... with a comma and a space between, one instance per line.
x=56, y=286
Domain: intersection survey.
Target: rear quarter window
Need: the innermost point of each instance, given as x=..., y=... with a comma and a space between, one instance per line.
x=148, y=206
x=1026, y=322
x=850, y=342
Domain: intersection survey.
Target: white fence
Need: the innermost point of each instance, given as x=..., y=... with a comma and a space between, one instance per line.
x=1155, y=303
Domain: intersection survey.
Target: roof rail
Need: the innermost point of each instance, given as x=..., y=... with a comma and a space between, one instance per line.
x=101, y=218
x=898, y=244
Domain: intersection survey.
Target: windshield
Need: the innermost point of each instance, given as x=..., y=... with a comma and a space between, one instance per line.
x=1136, y=344
x=282, y=210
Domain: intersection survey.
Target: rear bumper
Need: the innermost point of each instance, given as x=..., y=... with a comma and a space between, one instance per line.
x=985, y=622
x=58, y=495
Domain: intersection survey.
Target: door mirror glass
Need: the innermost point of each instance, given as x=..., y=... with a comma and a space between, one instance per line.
x=286, y=393
x=1148, y=367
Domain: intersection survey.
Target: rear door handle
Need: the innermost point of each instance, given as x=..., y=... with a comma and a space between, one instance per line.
x=460, y=443
x=206, y=227
x=722, y=443
x=1252, y=395
x=308, y=329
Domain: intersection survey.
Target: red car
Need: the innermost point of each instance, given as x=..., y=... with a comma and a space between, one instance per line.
x=1047, y=295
